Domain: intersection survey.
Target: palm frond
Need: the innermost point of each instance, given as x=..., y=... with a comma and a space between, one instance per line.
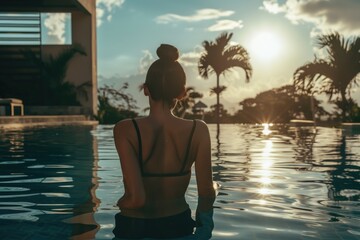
x=306, y=76
x=207, y=45
x=245, y=65
x=56, y=66
x=204, y=67
x=223, y=40
x=217, y=90
x=236, y=51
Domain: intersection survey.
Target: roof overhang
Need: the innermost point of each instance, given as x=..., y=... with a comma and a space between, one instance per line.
x=42, y=6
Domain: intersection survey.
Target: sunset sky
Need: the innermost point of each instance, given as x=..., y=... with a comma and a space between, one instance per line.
x=279, y=36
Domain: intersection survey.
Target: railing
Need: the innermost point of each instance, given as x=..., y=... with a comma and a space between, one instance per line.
x=20, y=28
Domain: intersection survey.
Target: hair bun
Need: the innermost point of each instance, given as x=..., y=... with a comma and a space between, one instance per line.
x=167, y=52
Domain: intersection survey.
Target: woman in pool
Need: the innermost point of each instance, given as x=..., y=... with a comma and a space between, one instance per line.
x=156, y=154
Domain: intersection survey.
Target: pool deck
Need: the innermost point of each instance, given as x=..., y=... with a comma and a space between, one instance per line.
x=30, y=121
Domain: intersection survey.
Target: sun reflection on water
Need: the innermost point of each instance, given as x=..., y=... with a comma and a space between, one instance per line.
x=266, y=163
x=265, y=180
x=266, y=130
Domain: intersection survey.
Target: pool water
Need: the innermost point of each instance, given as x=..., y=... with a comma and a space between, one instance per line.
x=279, y=182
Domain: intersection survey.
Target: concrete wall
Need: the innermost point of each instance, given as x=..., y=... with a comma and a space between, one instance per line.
x=87, y=4
x=82, y=69
x=85, y=68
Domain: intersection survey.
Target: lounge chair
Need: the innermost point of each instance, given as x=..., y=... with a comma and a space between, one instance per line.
x=12, y=102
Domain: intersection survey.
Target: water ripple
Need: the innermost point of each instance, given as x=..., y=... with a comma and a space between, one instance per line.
x=286, y=182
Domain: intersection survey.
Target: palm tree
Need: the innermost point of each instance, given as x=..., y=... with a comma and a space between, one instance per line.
x=336, y=73
x=219, y=57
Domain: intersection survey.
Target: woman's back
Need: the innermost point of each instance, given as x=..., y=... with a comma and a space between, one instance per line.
x=165, y=151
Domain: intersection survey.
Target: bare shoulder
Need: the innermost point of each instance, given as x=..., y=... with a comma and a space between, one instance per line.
x=201, y=133
x=202, y=127
x=122, y=126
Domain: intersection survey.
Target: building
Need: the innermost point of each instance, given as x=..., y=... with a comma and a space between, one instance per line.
x=22, y=30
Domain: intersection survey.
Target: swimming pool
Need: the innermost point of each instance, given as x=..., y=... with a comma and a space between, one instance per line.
x=281, y=183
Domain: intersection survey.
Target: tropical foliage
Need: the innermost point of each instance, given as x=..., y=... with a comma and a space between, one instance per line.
x=55, y=87
x=278, y=105
x=334, y=74
x=353, y=110
x=211, y=116
x=220, y=57
x=115, y=104
x=187, y=102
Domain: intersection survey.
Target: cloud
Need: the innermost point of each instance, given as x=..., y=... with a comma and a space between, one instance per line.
x=185, y=59
x=273, y=6
x=145, y=61
x=200, y=15
x=190, y=59
x=55, y=26
x=326, y=15
x=105, y=8
x=225, y=24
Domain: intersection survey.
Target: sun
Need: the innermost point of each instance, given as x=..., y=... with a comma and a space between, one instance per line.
x=265, y=46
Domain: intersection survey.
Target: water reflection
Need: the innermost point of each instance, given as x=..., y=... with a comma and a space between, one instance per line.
x=304, y=139
x=289, y=176
x=286, y=182
x=48, y=181
x=266, y=130
x=329, y=153
x=344, y=178
x=267, y=162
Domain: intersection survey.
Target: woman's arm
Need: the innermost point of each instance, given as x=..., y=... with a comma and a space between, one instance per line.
x=203, y=170
x=134, y=196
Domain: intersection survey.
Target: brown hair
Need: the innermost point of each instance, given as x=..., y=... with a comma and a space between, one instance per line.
x=166, y=78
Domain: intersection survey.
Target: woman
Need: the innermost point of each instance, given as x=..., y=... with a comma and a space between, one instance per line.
x=156, y=154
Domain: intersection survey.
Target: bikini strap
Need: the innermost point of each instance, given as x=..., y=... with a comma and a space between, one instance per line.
x=140, y=144
x=188, y=146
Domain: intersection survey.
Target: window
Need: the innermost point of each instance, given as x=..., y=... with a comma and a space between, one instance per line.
x=35, y=28
x=55, y=28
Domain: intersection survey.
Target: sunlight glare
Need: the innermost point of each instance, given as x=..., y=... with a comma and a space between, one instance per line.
x=265, y=45
x=265, y=180
x=266, y=130
x=264, y=191
x=267, y=149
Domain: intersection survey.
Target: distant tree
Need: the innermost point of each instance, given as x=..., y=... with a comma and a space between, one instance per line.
x=219, y=57
x=336, y=73
x=278, y=105
x=114, y=104
x=187, y=102
x=211, y=116
x=247, y=113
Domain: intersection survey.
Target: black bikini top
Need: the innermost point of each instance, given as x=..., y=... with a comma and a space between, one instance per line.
x=182, y=171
